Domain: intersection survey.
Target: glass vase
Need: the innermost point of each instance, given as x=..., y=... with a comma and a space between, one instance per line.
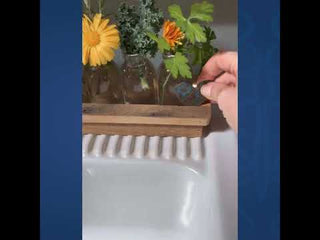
x=168, y=94
x=102, y=84
x=139, y=80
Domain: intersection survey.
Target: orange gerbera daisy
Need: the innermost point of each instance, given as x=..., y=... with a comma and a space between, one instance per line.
x=172, y=34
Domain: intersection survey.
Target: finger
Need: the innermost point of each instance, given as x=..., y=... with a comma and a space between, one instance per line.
x=226, y=78
x=212, y=90
x=228, y=103
x=219, y=63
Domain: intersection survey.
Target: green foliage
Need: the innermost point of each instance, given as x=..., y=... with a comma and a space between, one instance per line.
x=194, y=32
x=91, y=7
x=202, y=11
x=86, y=8
x=178, y=65
x=128, y=19
x=209, y=34
x=204, y=51
x=134, y=23
x=199, y=12
x=162, y=43
x=100, y=5
x=176, y=13
x=197, y=43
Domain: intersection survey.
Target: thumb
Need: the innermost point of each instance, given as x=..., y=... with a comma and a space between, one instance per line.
x=212, y=90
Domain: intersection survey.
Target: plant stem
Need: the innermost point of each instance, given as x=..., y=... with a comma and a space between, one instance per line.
x=164, y=87
x=101, y=5
x=88, y=5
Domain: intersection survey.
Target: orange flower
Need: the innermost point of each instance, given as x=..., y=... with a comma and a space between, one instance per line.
x=172, y=34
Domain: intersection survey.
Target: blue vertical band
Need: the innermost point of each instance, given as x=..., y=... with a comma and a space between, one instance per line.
x=60, y=120
x=259, y=120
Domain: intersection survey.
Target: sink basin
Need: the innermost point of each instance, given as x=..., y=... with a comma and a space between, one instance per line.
x=156, y=188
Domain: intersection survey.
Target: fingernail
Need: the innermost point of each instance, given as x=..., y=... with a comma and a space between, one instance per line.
x=205, y=91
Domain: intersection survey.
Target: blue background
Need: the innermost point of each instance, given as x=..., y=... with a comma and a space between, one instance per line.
x=60, y=120
x=259, y=120
x=259, y=117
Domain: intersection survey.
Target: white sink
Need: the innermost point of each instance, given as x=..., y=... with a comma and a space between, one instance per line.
x=156, y=188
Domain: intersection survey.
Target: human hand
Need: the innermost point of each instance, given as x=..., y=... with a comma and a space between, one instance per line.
x=222, y=69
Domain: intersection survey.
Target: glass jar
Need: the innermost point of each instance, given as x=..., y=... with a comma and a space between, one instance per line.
x=168, y=94
x=139, y=80
x=102, y=84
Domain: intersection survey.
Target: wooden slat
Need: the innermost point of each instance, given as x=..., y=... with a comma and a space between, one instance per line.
x=138, y=130
x=146, y=114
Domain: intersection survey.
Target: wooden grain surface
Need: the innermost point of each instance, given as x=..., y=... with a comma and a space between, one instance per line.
x=142, y=130
x=146, y=114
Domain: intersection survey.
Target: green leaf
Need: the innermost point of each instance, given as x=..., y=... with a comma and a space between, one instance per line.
x=204, y=51
x=176, y=13
x=197, y=55
x=202, y=11
x=178, y=65
x=152, y=36
x=162, y=43
x=209, y=33
x=194, y=32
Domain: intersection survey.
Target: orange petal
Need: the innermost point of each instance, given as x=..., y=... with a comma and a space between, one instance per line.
x=85, y=55
x=96, y=21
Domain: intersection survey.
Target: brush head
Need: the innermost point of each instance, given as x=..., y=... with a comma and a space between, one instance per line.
x=189, y=94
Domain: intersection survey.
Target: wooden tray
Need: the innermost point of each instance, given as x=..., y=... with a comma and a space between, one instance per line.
x=149, y=120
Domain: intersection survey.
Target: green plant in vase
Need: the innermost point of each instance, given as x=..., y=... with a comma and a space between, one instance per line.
x=100, y=39
x=139, y=77
x=202, y=52
x=183, y=38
